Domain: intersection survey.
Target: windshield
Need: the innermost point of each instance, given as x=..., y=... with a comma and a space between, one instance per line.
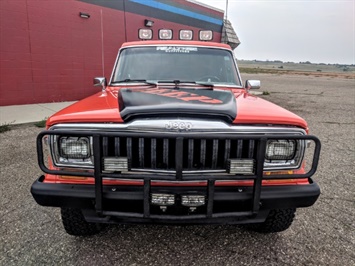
x=184, y=63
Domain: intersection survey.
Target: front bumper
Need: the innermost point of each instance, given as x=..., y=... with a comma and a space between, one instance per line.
x=121, y=204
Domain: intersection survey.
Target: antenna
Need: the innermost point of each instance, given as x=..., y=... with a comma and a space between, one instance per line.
x=226, y=13
x=102, y=47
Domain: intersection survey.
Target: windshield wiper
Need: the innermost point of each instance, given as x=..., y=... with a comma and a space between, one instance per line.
x=178, y=82
x=134, y=80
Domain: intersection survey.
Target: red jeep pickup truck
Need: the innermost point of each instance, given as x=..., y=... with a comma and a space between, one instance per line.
x=174, y=137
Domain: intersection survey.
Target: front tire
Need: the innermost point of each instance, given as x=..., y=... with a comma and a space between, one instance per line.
x=75, y=224
x=277, y=221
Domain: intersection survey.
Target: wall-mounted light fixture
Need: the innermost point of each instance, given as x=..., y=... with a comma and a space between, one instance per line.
x=148, y=23
x=84, y=15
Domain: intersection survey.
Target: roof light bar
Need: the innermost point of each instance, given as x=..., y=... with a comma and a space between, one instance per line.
x=205, y=35
x=145, y=34
x=165, y=34
x=186, y=34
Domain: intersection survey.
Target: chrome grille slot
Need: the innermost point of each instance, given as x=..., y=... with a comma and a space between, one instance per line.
x=239, y=149
x=190, y=153
x=153, y=151
x=129, y=148
x=166, y=153
x=227, y=152
x=251, y=148
x=203, y=153
x=141, y=152
x=117, y=147
x=105, y=146
x=215, y=153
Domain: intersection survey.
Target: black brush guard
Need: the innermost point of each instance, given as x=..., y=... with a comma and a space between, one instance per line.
x=97, y=173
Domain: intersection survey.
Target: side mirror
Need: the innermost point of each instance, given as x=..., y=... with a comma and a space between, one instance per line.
x=101, y=81
x=252, y=84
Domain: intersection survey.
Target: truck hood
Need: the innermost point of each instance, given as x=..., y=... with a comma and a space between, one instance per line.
x=121, y=105
x=255, y=110
x=172, y=102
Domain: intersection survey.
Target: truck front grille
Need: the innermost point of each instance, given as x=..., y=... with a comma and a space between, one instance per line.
x=158, y=154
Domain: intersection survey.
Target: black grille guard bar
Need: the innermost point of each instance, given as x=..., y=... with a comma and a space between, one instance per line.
x=179, y=136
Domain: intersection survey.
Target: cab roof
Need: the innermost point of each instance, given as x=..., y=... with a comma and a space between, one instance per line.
x=177, y=42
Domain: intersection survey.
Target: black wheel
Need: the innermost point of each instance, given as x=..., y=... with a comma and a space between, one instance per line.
x=75, y=223
x=277, y=221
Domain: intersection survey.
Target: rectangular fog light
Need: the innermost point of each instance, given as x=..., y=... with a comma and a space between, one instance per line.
x=74, y=147
x=162, y=199
x=192, y=200
x=241, y=166
x=116, y=164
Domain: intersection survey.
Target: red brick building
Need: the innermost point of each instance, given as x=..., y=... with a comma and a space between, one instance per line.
x=51, y=50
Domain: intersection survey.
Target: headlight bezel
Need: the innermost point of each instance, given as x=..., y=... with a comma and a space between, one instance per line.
x=292, y=162
x=66, y=161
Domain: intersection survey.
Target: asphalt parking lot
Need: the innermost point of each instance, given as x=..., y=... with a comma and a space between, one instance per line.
x=323, y=234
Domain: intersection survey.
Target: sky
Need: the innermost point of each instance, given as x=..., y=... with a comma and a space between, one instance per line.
x=293, y=30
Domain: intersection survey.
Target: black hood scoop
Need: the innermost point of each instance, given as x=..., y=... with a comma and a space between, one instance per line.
x=192, y=103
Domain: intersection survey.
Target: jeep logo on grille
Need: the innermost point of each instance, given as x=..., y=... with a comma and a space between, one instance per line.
x=178, y=126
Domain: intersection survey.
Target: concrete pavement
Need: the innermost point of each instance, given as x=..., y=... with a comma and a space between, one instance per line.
x=28, y=113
